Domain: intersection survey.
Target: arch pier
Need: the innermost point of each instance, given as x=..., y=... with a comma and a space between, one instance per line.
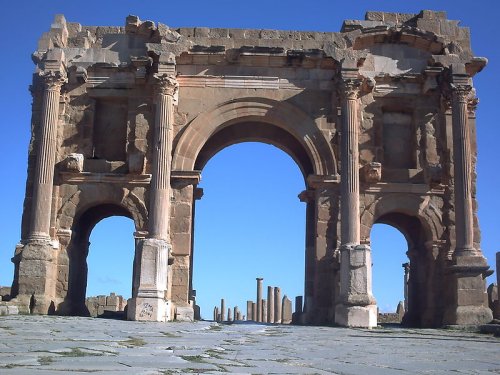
x=379, y=117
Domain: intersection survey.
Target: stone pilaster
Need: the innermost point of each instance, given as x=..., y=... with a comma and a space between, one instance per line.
x=150, y=303
x=322, y=213
x=356, y=306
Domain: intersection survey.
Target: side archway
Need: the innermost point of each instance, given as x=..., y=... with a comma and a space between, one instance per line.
x=416, y=219
x=78, y=215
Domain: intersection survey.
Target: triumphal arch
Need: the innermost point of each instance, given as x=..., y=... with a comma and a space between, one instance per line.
x=379, y=117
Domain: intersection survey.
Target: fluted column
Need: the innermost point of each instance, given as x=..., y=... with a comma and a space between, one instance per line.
x=151, y=265
x=350, y=232
x=159, y=205
x=464, y=223
x=356, y=306
x=45, y=157
x=468, y=267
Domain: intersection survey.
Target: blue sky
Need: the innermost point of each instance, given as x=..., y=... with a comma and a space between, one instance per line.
x=250, y=222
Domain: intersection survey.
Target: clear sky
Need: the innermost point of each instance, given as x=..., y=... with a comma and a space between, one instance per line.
x=250, y=222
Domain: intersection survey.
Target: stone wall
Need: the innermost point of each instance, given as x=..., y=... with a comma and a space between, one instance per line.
x=102, y=306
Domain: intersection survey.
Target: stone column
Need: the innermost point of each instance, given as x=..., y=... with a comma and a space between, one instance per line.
x=464, y=224
x=468, y=268
x=270, y=304
x=250, y=310
x=35, y=260
x=349, y=188
x=258, y=317
x=356, y=306
x=277, y=305
x=406, y=267
x=150, y=303
x=222, y=310
x=159, y=206
x=236, y=313
x=264, y=311
x=45, y=157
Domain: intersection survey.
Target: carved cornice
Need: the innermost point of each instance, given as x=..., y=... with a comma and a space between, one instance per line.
x=166, y=84
x=53, y=80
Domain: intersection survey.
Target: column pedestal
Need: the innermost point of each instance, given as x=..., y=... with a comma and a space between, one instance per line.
x=468, y=302
x=151, y=282
x=37, y=275
x=357, y=306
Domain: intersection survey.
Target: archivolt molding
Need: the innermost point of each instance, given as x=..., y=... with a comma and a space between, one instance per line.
x=81, y=201
x=407, y=204
x=263, y=110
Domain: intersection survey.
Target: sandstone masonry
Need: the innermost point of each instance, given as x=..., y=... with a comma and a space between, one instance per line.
x=380, y=117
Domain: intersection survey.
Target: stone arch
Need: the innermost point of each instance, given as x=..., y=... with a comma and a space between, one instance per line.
x=410, y=205
x=79, y=213
x=83, y=199
x=284, y=116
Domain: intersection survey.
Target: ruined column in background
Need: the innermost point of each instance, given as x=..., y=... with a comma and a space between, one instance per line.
x=277, y=305
x=270, y=304
x=258, y=317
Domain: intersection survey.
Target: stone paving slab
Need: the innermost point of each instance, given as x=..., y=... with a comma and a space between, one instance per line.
x=56, y=345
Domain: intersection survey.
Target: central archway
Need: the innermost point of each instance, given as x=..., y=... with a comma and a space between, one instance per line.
x=263, y=120
x=248, y=224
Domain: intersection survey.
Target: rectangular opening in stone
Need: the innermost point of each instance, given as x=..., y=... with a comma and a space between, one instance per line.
x=398, y=140
x=110, y=129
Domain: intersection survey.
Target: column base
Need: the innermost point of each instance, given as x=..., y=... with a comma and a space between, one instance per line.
x=145, y=309
x=468, y=315
x=356, y=316
x=468, y=300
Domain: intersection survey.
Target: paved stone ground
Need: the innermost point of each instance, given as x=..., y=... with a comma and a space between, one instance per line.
x=53, y=345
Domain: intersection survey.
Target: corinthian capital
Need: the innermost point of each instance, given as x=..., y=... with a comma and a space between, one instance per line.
x=461, y=93
x=166, y=84
x=350, y=88
x=53, y=80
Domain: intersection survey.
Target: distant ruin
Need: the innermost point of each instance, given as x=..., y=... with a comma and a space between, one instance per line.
x=379, y=117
